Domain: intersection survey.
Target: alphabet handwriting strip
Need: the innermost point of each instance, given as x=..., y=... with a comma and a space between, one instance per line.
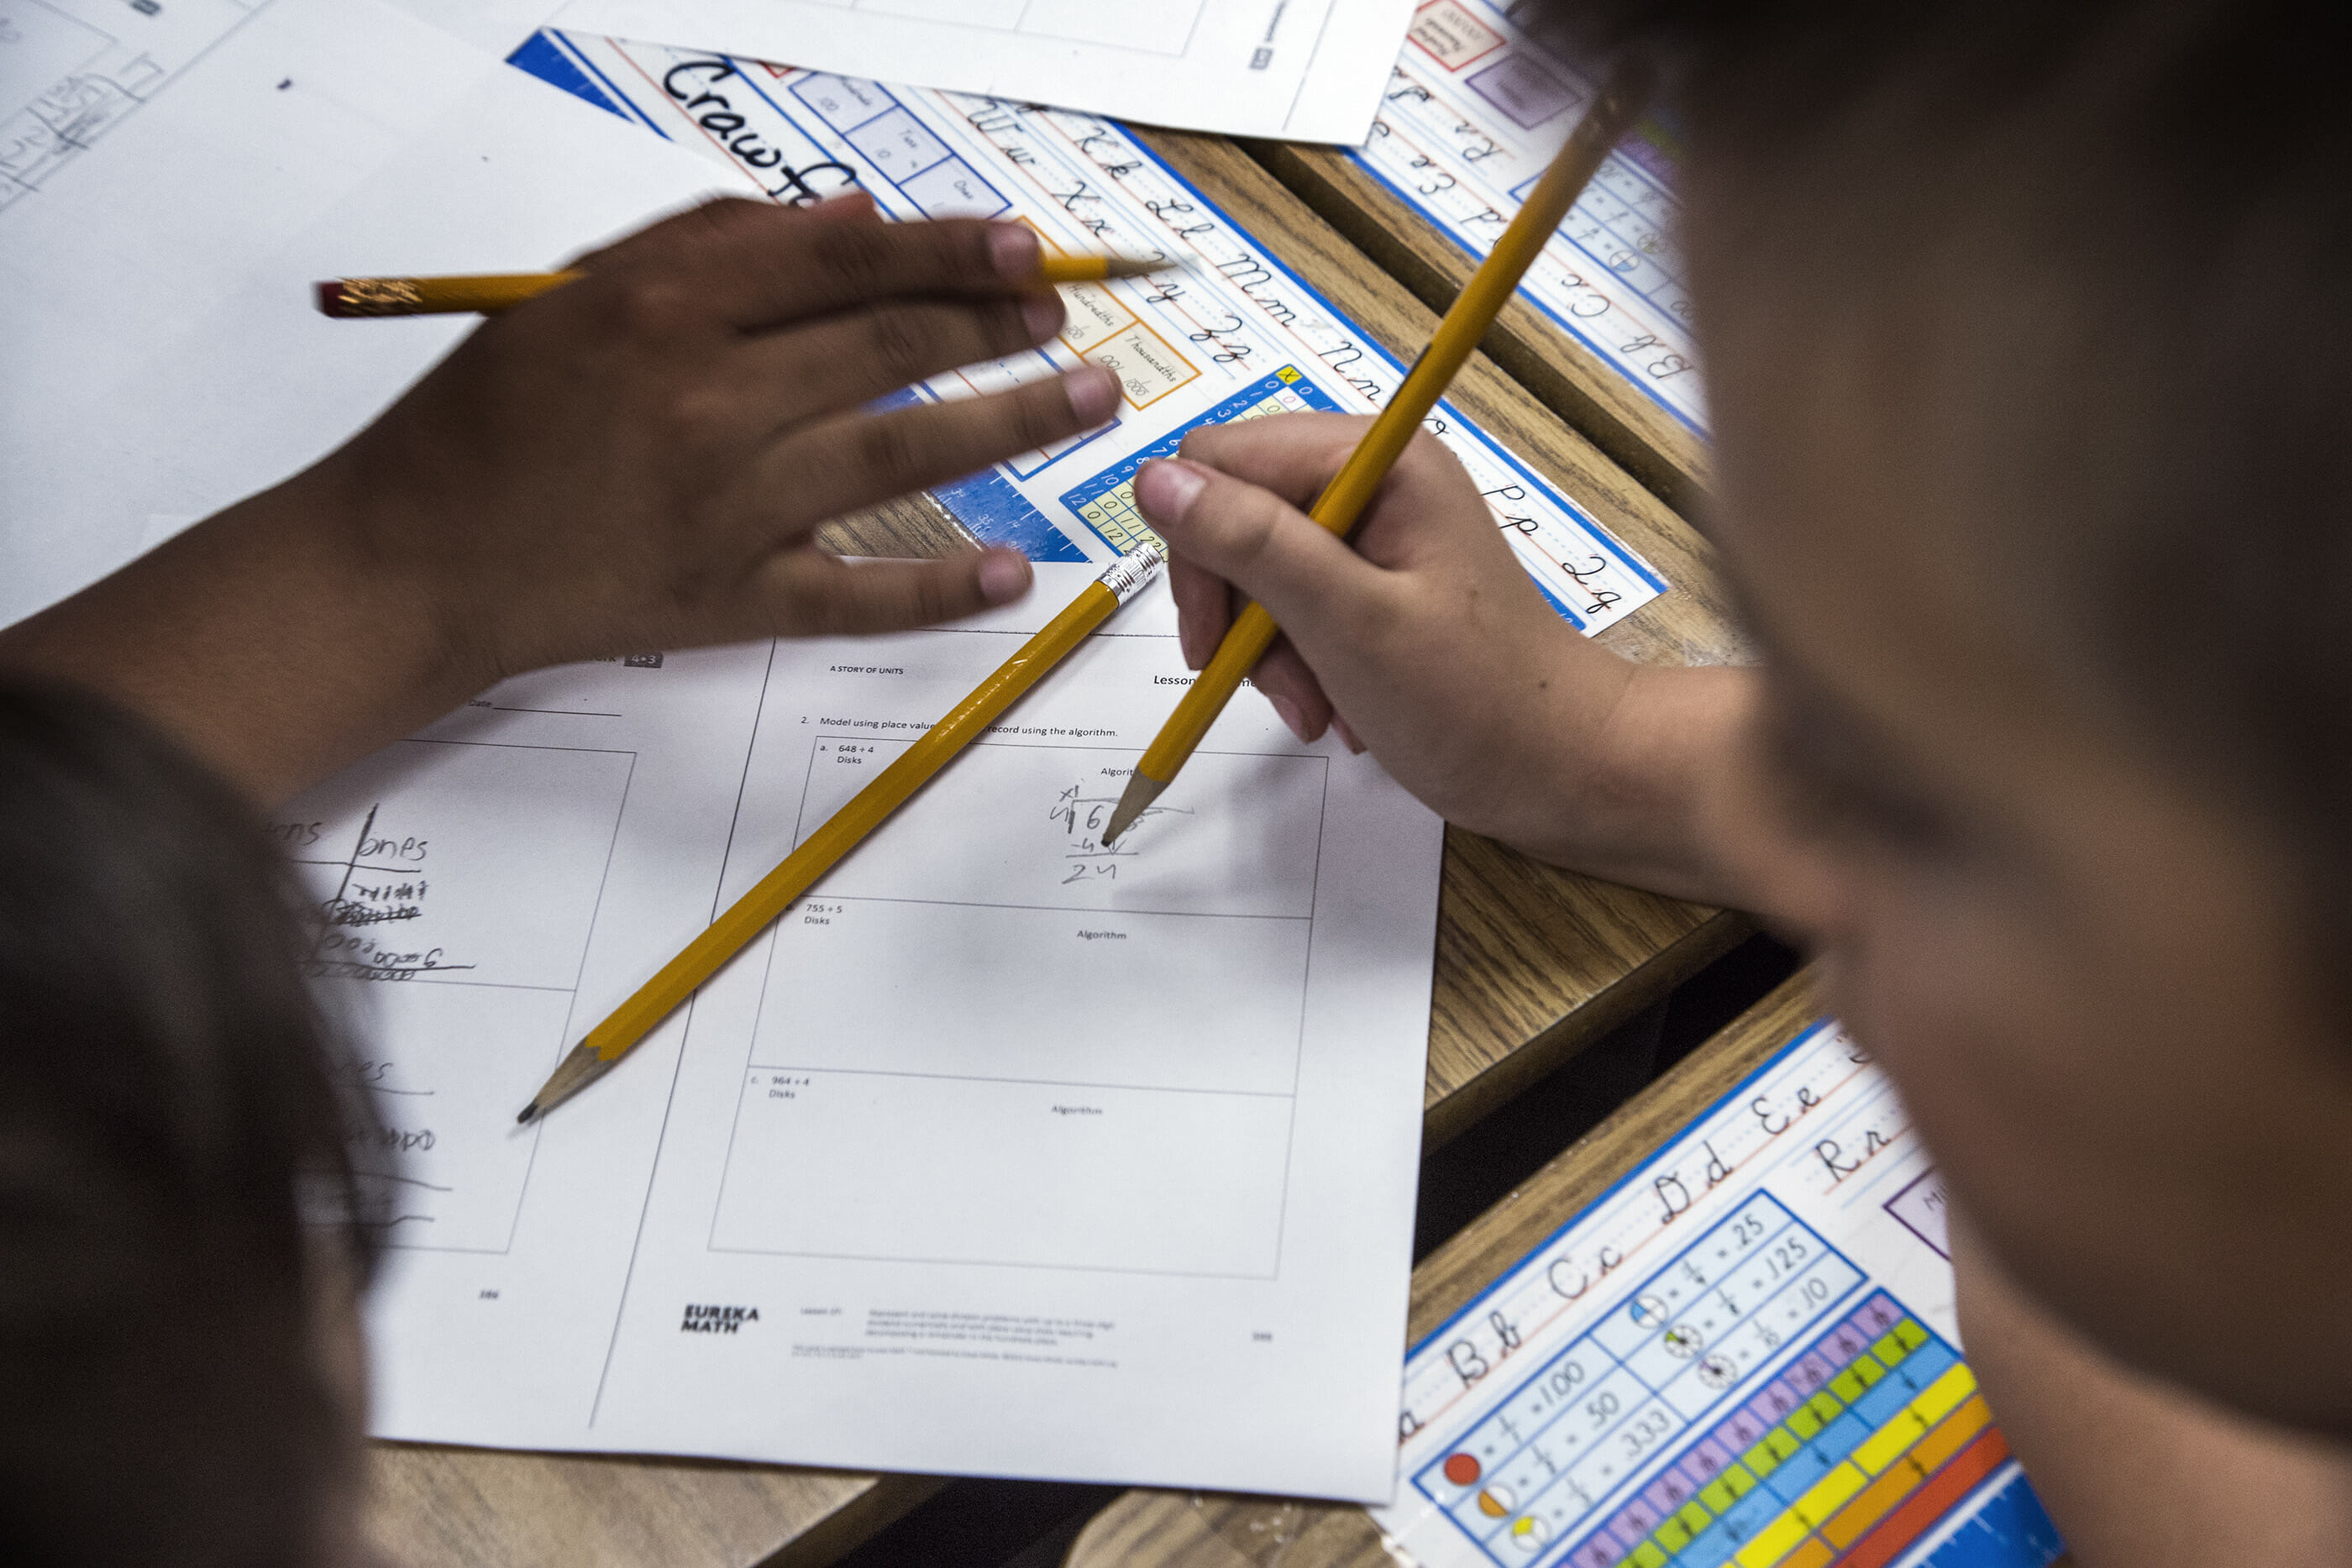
x=1184, y=344
x=1474, y=112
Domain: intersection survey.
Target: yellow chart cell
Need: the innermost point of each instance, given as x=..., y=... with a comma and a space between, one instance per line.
x=1773, y=1543
x=1822, y=1498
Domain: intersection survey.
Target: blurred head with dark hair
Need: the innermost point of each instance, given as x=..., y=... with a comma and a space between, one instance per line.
x=2029, y=337
x=180, y=1365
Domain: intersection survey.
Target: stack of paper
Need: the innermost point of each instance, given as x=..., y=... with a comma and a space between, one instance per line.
x=1004, y=1151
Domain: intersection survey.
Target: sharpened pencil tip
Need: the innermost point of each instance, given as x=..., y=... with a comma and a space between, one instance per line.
x=529, y=1114
x=1141, y=791
x=1125, y=266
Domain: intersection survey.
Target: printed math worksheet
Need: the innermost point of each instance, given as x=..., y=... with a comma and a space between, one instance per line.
x=1234, y=334
x=1002, y=1152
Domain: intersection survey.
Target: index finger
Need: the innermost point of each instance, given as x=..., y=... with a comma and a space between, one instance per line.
x=1295, y=454
x=757, y=266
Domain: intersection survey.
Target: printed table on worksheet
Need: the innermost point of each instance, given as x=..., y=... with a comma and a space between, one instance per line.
x=1232, y=334
x=1210, y=914
x=1744, y=1354
x=1474, y=112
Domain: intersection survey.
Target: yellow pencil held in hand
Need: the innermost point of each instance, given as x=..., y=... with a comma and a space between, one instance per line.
x=654, y=1000
x=1344, y=499
x=488, y=293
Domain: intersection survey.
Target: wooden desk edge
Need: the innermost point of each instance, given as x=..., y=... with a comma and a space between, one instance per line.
x=1645, y=985
x=1192, y=1530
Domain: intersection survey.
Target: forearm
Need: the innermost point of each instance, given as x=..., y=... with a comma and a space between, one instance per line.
x=2136, y=1473
x=271, y=639
x=1651, y=777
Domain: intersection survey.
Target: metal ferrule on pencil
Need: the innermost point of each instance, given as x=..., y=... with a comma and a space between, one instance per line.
x=1133, y=572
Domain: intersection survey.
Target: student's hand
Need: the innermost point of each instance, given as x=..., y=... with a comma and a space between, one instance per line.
x=638, y=460
x=1422, y=640
x=641, y=459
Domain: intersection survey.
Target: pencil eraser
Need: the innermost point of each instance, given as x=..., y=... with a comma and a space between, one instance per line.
x=330, y=299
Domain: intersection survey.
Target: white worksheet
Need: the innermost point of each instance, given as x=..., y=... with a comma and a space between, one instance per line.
x=171, y=185
x=1001, y=1152
x=1305, y=70
x=1471, y=114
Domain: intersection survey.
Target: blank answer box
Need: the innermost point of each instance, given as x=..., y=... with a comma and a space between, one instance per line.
x=1020, y=1175
x=1178, y=1001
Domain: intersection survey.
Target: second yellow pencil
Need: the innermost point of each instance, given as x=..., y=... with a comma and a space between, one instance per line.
x=602, y=1047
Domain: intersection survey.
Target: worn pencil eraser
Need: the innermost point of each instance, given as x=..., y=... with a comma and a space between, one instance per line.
x=330, y=299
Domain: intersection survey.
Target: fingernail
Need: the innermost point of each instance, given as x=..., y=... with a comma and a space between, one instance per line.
x=1042, y=314
x=1004, y=576
x=1346, y=737
x=1013, y=248
x=1288, y=711
x=1166, y=490
x=1093, y=392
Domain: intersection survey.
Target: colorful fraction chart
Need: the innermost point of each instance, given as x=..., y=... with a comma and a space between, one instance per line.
x=1472, y=113
x=1741, y=1356
x=1233, y=333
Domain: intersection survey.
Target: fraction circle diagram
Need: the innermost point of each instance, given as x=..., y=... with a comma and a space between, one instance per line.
x=1530, y=1533
x=1716, y=1371
x=1648, y=1312
x=1462, y=1470
x=1497, y=1501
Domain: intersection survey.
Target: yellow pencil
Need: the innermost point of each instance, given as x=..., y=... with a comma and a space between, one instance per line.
x=614, y=1037
x=1337, y=509
x=488, y=293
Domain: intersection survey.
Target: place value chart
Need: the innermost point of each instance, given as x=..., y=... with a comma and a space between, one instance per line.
x=1474, y=109
x=1743, y=1355
x=1230, y=333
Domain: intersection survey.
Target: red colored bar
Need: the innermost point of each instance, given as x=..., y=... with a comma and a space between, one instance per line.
x=1920, y=1512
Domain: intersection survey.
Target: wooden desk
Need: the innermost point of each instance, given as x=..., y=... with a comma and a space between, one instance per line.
x=1195, y=1530
x=1568, y=378
x=1532, y=965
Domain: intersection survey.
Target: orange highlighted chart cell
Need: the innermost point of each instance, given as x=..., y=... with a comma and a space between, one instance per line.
x=1103, y=331
x=1450, y=34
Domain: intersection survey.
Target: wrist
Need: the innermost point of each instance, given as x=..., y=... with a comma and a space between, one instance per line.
x=1639, y=757
x=272, y=639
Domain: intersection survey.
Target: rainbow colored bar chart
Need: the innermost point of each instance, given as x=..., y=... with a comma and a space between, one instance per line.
x=1750, y=1390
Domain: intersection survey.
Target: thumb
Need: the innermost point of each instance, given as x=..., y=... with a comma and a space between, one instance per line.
x=1257, y=541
